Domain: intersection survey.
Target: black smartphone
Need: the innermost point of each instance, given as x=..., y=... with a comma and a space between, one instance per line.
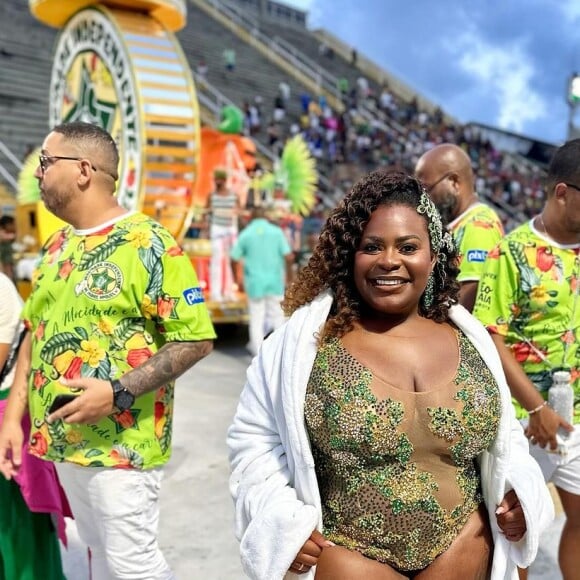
x=61, y=401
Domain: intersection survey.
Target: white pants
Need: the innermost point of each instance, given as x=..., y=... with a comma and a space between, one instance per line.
x=265, y=315
x=117, y=514
x=221, y=276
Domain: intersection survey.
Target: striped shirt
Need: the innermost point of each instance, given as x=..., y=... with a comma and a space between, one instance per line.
x=223, y=210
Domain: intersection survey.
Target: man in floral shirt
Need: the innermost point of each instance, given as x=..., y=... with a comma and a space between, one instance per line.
x=476, y=228
x=528, y=299
x=115, y=316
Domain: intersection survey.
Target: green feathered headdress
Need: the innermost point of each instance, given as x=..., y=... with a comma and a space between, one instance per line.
x=295, y=174
x=28, y=190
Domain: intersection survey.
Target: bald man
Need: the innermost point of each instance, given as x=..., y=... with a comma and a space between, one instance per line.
x=447, y=176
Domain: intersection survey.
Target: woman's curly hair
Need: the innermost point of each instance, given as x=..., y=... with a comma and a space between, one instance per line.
x=332, y=263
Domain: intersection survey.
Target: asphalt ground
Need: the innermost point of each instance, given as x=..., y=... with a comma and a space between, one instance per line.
x=196, y=528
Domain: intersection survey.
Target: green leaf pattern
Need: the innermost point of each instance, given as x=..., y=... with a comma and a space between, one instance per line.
x=107, y=335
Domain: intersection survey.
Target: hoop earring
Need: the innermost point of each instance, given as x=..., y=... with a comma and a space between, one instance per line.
x=429, y=293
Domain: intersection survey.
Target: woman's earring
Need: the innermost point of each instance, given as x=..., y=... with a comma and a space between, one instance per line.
x=429, y=293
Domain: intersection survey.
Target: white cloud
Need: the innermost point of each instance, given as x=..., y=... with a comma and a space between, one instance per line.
x=504, y=75
x=570, y=9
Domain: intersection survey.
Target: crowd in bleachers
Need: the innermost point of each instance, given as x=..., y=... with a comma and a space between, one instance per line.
x=379, y=129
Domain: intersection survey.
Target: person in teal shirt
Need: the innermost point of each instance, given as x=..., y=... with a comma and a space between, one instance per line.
x=264, y=251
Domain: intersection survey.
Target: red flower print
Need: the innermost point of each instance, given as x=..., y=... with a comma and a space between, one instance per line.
x=493, y=254
x=74, y=370
x=65, y=268
x=568, y=337
x=125, y=419
x=56, y=245
x=544, y=259
x=165, y=306
x=38, y=444
x=121, y=462
x=104, y=231
x=39, y=380
x=525, y=353
x=39, y=332
x=137, y=356
x=159, y=410
x=175, y=251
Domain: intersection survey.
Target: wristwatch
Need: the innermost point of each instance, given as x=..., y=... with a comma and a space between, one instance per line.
x=122, y=398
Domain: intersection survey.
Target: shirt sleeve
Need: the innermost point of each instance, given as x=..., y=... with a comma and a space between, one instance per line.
x=284, y=245
x=478, y=239
x=9, y=310
x=497, y=295
x=181, y=311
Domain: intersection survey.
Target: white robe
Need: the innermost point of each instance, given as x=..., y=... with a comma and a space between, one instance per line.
x=273, y=480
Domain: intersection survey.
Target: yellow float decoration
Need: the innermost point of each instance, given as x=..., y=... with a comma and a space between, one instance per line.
x=171, y=13
x=119, y=65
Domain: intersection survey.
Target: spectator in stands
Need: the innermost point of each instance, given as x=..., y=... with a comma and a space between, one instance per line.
x=7, y=239
x=448, y=177
x=343, y=86
x=279, y=109
x=267, y=260
x=285, y=92
x=202, y=70
x=305, y=99
x=229, y=56
x=529, y=299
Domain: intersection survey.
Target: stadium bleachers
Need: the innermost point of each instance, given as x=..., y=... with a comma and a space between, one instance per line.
x=370, y=134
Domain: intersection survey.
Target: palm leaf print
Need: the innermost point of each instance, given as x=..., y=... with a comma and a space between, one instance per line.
x=127, y=328
x=58, y=344
x=528, y=277
x=102, y=251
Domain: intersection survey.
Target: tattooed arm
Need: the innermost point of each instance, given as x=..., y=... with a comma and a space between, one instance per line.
x=168, y=363
x=96, y=401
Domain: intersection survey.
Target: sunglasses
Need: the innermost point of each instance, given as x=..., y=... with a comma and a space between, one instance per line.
x=430, y=187
x=45, y=160
x=572, y=186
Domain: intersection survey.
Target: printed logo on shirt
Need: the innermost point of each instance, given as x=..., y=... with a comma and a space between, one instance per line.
x=476, y=255
x=193, y=295
x=103, y=281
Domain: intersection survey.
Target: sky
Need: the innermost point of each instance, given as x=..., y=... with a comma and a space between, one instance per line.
x=505, y=63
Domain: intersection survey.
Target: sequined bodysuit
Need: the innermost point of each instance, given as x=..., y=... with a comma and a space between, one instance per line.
x=397, y=476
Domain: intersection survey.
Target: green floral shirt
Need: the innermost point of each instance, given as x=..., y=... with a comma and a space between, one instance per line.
x=527, y=292
x=103, y=302
x=475, y=232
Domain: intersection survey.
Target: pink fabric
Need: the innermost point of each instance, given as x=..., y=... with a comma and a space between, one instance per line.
x=39, y=483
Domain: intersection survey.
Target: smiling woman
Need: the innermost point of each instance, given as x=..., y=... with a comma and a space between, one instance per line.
x=373, y=432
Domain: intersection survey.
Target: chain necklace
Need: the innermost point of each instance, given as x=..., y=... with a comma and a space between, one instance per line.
x=541, y=216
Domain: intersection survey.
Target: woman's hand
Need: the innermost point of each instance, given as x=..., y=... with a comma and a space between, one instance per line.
x=510, y=517
x=310, y=552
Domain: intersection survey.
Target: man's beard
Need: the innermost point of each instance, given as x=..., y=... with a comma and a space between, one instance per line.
x=447, y=208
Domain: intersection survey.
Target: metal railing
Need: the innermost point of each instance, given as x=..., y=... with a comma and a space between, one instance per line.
x=4, y=171
x=319, y=76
